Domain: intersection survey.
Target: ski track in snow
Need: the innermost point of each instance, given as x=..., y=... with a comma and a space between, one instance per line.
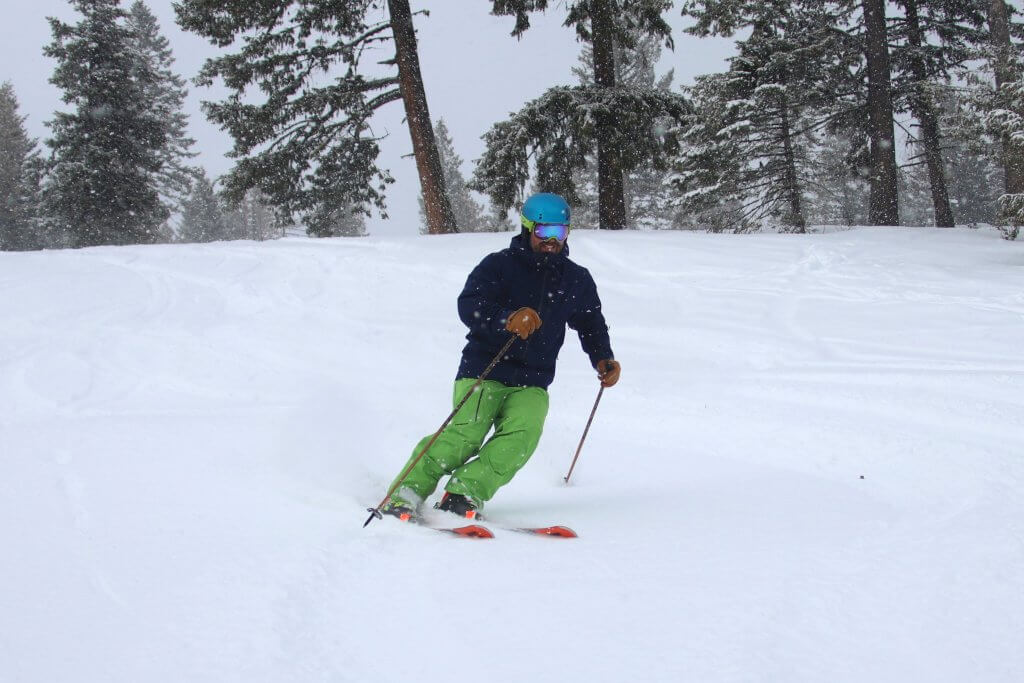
x=810, y=469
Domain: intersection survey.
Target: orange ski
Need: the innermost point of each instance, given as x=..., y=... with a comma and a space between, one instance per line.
x=554, y=531
x=469, y=531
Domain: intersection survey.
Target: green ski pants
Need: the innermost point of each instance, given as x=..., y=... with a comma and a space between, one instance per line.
x=517, y=415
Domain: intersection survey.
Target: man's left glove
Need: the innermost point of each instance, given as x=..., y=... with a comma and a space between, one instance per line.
x=608, y=372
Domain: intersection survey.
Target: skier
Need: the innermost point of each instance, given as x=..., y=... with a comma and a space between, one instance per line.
x=532, y=290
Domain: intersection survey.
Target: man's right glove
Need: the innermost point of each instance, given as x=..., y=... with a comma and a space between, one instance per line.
x=523, y=322
x=608, y=372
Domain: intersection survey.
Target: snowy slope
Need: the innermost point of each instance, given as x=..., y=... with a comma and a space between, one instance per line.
x=811, y=470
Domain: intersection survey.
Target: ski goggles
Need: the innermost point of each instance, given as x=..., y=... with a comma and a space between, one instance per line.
x=546, y=231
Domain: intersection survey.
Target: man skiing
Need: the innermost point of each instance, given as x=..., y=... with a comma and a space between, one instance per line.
x=532, y=290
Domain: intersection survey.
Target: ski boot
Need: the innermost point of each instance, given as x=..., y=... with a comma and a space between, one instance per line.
x=400, y=509
x=459, y=505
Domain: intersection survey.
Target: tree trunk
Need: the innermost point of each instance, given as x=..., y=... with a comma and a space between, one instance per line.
x=883, y=208
x=1013, y=153
x=928, y=120
x=924, y=111
x=611, y=191
x=796, y=213
x=437, y=206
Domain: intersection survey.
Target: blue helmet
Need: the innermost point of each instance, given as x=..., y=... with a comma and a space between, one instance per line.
x=544, y=207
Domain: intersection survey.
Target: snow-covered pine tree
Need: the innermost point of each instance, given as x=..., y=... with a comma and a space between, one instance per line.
x=1004, y=108
x=837, y=191
x=469, y=215
x=565, y=125
x=253, y=218
x=753, y=145
x=306, y=143
x=883, y=173
x=931, y=40
x=916, y=207
x=202, y=217
x=970, y=154
x=344, y=221
x=165, y=94
x=107, y=151
x=646, y=192
x=1009, y=122
x=19, y=178
x=974, y=180
x=707, y=172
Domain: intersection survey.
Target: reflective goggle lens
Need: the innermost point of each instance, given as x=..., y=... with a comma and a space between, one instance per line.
x=551, y=231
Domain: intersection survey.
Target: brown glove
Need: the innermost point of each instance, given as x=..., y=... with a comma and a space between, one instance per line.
x=608, y=372
x=523, y=322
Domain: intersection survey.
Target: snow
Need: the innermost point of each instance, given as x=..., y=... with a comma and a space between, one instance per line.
x=810, y=471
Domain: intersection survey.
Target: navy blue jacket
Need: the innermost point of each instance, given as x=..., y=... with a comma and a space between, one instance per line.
x=561, y=291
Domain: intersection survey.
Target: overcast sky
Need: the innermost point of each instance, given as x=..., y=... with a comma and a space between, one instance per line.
x=475, y=75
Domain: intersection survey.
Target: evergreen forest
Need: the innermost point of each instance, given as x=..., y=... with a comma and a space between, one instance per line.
x=828, y=113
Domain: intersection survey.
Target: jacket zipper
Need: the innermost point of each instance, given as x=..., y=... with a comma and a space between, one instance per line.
x=540, y=309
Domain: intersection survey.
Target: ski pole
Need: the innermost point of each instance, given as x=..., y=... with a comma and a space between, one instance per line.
x=375, y=511
x=587, y=429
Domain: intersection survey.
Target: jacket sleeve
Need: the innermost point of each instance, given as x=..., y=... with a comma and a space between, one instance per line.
x=589, y=323
x=478, y=307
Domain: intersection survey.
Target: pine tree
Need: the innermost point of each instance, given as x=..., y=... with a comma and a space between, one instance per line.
x=1003, y=108
x=883, y=176
x=202, y=218
x=469, y=215
x=437, y=206
x=253, y=218
x=306, y=144
x=164, y=92
x=19, y=178
x=974, y=181
x=106, y=152
x=263, y=222
x=752, y=143
x=646, y=193
x=910, y=51
x=346, y=221
x=916, y=206
x=837, y=191
x=1009, y=123
x=970, y=154
x=336, y=218
x=565, y=125
x=931, y=41
x=707, y=172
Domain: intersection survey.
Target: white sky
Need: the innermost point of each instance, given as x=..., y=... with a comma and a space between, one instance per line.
x=475, y=75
